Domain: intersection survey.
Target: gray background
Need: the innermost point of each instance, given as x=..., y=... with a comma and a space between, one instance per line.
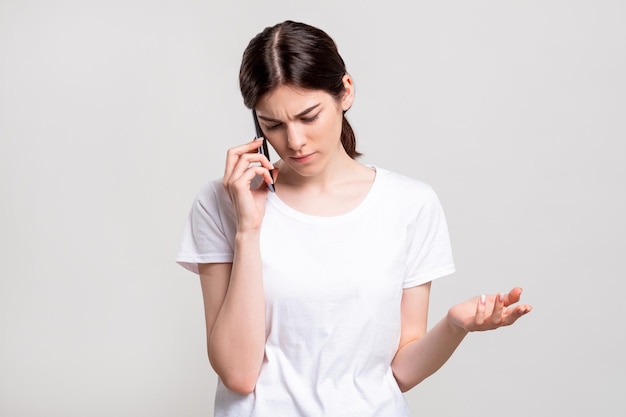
x=114, y=113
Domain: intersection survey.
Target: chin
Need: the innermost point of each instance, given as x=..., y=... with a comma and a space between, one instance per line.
x=310, y=170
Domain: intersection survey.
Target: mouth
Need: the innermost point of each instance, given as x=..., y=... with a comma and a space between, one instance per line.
x=302, y=158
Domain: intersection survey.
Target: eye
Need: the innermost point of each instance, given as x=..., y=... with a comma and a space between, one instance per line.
x=273, y=127
x=311, y=119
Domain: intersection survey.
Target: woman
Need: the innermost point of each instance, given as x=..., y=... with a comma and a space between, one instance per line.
x=316, y=295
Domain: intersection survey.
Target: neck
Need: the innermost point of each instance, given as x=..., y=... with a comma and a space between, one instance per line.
x=338, y=169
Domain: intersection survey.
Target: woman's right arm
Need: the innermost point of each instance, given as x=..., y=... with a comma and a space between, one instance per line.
x=233, y=294
x=234, y=306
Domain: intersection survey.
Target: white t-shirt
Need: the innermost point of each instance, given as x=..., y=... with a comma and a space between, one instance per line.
x=333, y=287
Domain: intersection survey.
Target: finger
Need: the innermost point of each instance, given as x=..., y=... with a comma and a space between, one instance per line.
x=513, y=296
x=245, y=162
x=523, y=309
x=479, y=318
x=233, y=155
x=516, y=313
x=267, y=177
x=274, y=175
x=244, y=182
x=496, y=315
x=247, y=159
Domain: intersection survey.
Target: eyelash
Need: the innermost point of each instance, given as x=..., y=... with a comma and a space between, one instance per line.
x=305, y=120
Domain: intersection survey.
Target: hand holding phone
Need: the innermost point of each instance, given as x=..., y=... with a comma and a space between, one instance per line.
x=263, y=148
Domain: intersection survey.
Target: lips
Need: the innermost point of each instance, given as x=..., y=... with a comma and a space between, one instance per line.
x=303, y=158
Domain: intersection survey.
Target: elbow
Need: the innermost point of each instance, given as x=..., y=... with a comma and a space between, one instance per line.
x=238, y=374
x=405, y=382
x=236, y=380
x=239, y=384
x=403, y=385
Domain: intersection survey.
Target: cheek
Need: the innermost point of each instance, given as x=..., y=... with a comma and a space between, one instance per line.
x=334, y=126
x=274, y=139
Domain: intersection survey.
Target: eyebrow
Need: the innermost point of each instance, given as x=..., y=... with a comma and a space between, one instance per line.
x=302, y=113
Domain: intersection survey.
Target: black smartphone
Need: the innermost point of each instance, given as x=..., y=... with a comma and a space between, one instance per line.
x=263, y=148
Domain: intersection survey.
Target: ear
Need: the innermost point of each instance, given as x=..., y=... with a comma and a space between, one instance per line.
x=348, y=96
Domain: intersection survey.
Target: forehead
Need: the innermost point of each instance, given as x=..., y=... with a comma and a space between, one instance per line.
x=290, y=99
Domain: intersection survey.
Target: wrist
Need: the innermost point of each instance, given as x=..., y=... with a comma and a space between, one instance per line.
x=454, y=326
x=247, y=235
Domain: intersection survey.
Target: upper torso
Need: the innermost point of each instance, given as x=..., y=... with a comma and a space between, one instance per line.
x=333, y=287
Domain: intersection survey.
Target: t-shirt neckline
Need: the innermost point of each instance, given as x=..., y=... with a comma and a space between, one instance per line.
x=275, y=201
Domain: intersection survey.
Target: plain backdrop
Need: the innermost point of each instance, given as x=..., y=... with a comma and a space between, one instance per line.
x=114, y=113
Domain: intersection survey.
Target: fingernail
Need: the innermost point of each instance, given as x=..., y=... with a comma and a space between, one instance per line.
x=483, y=299
x=501, y=297
x=259, y=138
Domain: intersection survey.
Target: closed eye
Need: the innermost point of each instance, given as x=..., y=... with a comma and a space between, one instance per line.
x=304, y=119
x=311, y=119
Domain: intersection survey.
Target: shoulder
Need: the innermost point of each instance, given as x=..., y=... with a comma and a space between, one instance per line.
x=400, y=187
x=213, y=202
x=213, y=195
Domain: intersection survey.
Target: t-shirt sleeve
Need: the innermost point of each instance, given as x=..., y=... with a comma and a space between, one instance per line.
x=430, y=252
x=208, y=231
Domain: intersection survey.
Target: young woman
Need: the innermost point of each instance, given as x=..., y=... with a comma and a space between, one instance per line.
x=316, y=295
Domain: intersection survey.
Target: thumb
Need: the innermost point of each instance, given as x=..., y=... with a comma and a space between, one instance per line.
x=513, y=296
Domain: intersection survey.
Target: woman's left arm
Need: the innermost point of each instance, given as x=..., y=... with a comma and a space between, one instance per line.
x=421, y=353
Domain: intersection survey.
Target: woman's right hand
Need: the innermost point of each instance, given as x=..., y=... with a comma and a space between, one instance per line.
x=241, y=168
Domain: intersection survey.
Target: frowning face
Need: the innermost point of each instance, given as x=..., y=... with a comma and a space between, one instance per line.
x=304, y=127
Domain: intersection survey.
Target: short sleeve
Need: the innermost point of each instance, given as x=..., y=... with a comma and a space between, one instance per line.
x=429, y=250
x=208, y=234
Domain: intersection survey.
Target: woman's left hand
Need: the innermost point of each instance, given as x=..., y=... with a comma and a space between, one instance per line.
x=488, y=312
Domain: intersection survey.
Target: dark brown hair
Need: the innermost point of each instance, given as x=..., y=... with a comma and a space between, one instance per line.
x=297, y=54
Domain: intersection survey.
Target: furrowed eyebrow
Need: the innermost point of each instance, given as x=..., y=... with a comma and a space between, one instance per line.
x=302, y=113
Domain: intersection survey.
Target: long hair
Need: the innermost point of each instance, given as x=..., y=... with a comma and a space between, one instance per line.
x=296, y=54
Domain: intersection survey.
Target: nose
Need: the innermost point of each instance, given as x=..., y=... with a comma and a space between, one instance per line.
x=295, y=138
